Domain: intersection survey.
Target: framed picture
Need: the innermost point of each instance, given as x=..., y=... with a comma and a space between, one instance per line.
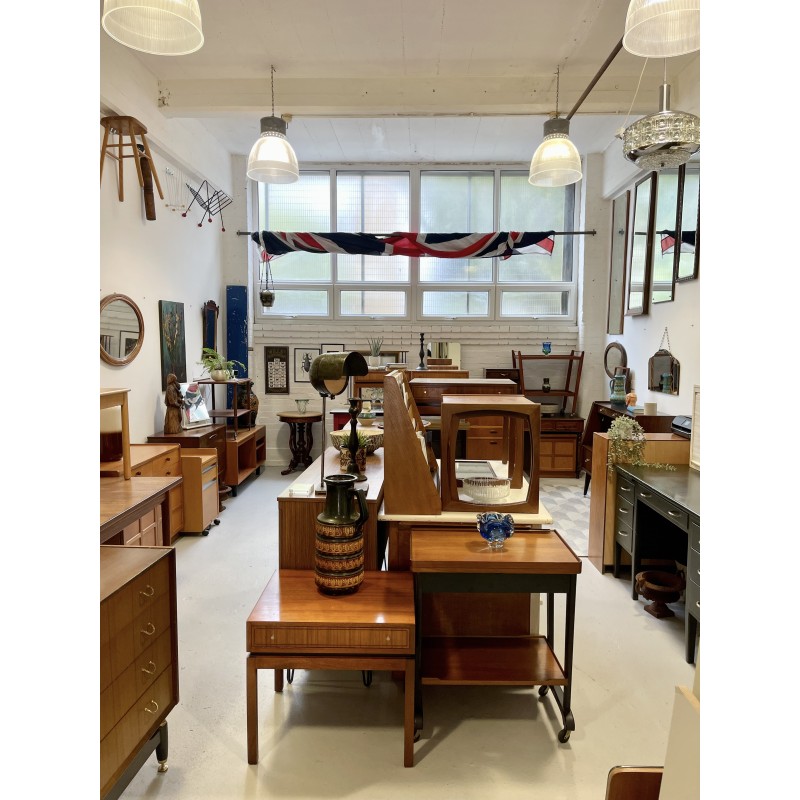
x=173, y=341
x=303, y=356
x=331, y=348
x=194, y=412
x=127, y=342
x=276, y=370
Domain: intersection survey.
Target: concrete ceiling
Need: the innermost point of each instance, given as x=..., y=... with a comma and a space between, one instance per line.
x=381, y=81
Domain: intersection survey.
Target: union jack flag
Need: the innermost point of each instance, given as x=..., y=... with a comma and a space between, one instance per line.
x=500, y=244
x=668, y=242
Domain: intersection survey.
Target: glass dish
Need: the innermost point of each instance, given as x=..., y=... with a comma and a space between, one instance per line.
x=485, y=489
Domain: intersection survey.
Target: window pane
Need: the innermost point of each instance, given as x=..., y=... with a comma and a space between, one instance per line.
x=372, y=304
x=372, y=203
x=456, y=202
x=310, y=302
x=301, y=206
x=455, y=304
x=524, y=207
x=534, y=304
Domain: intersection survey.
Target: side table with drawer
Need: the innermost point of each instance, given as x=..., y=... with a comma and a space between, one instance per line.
x=294, y=626
x=200, y=482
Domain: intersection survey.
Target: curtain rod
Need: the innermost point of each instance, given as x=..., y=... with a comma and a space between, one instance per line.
x=555, y=233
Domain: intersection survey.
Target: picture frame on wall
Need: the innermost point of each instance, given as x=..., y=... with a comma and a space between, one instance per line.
x=303, y=356
x=127, y=342
x=331, y=348
x=172, y=331
x=276, y=369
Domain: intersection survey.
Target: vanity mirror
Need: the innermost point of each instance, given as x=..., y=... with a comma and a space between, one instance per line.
x=615, y=356
x=121, y=330
x=664, y=370
x=663, y=257
x=619, y=251
x=688, y=265
x=641, y=247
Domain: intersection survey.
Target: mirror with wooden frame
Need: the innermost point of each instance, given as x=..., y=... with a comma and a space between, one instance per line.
x=688, y=264
x=619, y=251
x=615, y=356
x=210, y=314
x=663, y=253
x=641, y=245
x=121, y=330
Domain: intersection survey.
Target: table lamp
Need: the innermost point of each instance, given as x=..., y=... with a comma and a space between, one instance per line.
x=329, y=375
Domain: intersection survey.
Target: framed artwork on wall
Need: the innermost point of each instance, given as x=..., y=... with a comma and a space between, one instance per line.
x=276, y=370
x=303, y=356
x=173, y=341
x=127, y=342
x=331, y=348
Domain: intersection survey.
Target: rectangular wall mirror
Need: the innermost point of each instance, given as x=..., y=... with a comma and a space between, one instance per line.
x=619, y=251
x=641, y=245
x=688, y=265
x=663, y=253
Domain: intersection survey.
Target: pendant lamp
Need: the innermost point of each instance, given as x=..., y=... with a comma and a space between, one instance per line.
x=556, y=161
x=272, y=159
x=666, y=139
x=159, y=27
x=662, y=28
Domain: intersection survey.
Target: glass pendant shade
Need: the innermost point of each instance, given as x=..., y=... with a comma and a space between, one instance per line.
x=556, y=161
x=666, y=139
x=662, y=28
x=272, y=159
x=159, y=27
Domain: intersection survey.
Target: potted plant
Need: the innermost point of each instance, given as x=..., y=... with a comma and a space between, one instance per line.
x=217, y=366
x=374, y=358
x=626, y=443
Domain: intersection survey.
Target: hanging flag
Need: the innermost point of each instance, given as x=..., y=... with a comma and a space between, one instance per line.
x=499, y=244
x=668, y=242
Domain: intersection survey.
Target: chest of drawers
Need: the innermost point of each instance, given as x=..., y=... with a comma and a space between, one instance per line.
x=138, y=659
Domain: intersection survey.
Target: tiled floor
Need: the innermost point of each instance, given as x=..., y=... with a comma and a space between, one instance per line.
x=328, y=736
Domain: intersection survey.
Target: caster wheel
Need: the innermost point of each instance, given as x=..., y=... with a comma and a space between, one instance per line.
x=543, y=690
x=216, y=522
x=366, y=677
x=563, y=736
x=205, y=532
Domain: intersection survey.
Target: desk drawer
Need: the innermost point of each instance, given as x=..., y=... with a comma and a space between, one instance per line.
x=693, y=599
x=624, y=538
x=694, y=535
x=666, y=508
x=586, y=458
x=168, y=464
x=143, y=470
x=625, y=488
x=299, y=639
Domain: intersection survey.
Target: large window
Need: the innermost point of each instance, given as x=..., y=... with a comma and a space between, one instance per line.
x=344, y=286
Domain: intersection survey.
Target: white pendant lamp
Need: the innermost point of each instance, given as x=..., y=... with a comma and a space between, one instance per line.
x=159, y=27
x=556, y=161
x=662, y=28
x=272, y=159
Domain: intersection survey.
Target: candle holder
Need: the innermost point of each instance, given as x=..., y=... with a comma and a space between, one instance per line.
x=352, y=442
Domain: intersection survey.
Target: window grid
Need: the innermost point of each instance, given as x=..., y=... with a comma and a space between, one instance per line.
x=521, y=287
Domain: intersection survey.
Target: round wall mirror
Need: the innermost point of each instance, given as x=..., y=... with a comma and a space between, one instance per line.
x=121, y=330
x=615, y=356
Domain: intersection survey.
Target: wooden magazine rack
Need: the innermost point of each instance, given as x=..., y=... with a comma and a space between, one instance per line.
x=411, y=473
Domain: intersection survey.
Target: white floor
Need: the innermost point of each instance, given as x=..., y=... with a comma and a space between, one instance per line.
x=328, y=736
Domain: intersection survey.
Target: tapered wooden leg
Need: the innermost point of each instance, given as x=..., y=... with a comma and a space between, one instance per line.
x=103, y=153
x=408, y=715
x=252, y=711
x=155, y=171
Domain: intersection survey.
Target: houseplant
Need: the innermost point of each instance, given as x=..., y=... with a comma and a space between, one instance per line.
x=374, y=358
x=626, y=443
x=217, y=366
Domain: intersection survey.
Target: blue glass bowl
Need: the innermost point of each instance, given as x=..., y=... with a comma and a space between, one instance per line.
x=495, y=528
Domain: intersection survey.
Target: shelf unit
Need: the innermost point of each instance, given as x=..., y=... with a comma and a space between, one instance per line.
x=235, y=413
x=570, y=366
x=246, y=454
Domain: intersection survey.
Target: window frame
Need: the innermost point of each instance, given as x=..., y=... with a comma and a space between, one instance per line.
x=415, y=289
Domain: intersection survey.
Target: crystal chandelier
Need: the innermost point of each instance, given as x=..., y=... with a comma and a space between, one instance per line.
x=666, y=139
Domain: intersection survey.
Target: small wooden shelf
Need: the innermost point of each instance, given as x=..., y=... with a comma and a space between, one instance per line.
x=490, y=661
x=570, y=374
x=234, y=413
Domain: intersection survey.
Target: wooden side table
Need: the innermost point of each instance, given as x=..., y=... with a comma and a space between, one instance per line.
x=301, y=439
x=293, y=626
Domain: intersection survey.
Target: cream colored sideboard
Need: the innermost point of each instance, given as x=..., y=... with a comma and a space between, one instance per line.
x=660, y=448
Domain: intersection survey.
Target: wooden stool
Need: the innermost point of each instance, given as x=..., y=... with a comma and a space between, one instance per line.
x=130, y=127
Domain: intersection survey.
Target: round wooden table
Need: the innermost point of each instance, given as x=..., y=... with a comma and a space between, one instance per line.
x=300, y=437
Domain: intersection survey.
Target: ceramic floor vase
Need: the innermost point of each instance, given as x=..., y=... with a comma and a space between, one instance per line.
x=339, y=549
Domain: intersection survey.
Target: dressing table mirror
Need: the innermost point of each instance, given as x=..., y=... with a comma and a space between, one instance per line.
x=121, y=330
x=664, y=372
x=619, y=252
x=638, y=272
x=688, y=265
x=615, y=356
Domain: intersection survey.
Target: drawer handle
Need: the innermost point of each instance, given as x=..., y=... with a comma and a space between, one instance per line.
x=149, y=630
x=623, y=535
x=697, y=603
x=624, y=488
x=149, y=671
x=388, y=638
x=673, y=513
x=151, y=710
x=167, y=472
x=622, y=511
x=148, y=592
x=138, y=472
